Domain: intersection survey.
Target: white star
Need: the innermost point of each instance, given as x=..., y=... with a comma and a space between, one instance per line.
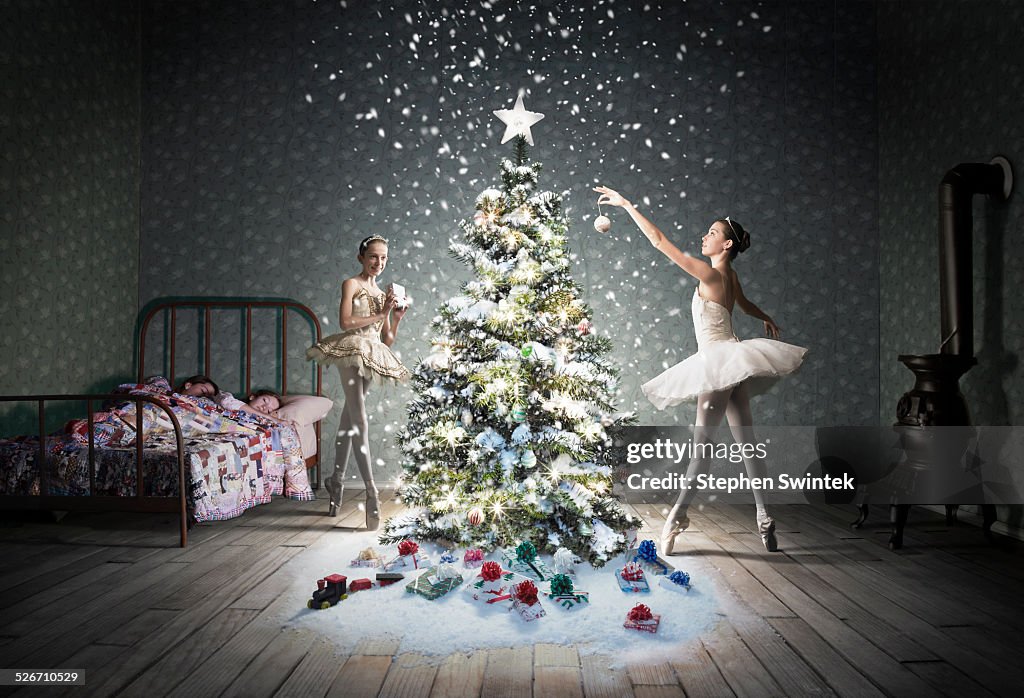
x=518, y=121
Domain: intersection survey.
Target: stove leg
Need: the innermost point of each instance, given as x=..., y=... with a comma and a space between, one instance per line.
x=898, y=518
x=862, y=516
x=988, y=517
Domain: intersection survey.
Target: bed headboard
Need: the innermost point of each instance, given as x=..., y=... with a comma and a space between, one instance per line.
x=237, y=316
x=168, y=309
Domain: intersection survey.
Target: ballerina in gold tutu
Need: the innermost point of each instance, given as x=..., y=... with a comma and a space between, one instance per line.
x=369, y=319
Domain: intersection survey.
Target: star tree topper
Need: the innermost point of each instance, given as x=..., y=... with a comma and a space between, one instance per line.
x=518, y=121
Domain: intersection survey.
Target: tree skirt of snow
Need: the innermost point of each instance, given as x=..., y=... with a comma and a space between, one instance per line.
x=457, y=623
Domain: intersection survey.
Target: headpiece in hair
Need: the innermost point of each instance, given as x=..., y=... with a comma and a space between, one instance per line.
x=366, y=242
x=740, y=237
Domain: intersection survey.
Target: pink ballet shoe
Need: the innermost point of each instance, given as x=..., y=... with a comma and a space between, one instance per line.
x=766, y=527
x=669, y=533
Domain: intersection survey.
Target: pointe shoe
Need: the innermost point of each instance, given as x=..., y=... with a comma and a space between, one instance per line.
x=335, y=501
x=766, y=527
x=669, y=533
x=372, y=510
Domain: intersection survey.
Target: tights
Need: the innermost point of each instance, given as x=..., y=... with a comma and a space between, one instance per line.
x=734, y=405
x=352, y=431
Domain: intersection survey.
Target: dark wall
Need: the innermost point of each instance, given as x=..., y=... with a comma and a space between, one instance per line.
x=950, y=90
x=277, y=135
x=69, y=179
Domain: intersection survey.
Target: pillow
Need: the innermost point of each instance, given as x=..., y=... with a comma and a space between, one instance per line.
x=304, y=409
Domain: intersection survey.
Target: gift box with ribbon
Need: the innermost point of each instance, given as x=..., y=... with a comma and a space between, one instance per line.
x=368, y=558
x=526, y=602
x=473, y=558
x=563, y=593
x=523, y=560
x=646, y=555
x=493, y=585
x=677, y=581
x=641, y=618
x=409, y=557
x=564, y=562
x=632, y=579
x=435, y=582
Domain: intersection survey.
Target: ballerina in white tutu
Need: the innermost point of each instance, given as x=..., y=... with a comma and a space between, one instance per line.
x=725, y=371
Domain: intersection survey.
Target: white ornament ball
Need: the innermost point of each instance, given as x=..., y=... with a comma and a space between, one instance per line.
x=479, y=218
x=466, y=418
x=602, y=224
x=476, y=516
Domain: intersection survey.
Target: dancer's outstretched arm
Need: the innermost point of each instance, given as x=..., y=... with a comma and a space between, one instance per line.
x=691, y=265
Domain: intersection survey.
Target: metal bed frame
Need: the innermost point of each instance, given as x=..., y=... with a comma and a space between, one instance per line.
x=141, y=502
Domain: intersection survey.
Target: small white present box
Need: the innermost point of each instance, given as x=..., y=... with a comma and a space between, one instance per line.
x=492, y=591
x=409, y=557
x=527, y=611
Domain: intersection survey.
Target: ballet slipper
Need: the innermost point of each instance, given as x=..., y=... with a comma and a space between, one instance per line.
x=766, y=527
x=372, y=509
x=335, y=501
x=669, y=533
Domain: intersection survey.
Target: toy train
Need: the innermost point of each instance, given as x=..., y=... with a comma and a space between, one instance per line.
x=329, y=591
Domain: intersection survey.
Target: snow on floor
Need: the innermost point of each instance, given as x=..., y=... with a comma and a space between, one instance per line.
x=457, y=623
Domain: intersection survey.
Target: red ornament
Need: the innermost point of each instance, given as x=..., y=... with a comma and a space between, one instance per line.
x=640, y=612
x=490, y=570
x=526, y=592
x=408, y=547
x=584, y=327
x=476, y=516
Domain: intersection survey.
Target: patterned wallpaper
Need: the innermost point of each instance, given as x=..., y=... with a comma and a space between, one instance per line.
x=274, y=139
x=950, y=91
x=69, y=104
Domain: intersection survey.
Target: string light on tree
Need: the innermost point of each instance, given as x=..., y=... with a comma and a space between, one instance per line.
x=515, y=406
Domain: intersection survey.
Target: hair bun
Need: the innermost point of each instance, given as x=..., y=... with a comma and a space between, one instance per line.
x=744, y=241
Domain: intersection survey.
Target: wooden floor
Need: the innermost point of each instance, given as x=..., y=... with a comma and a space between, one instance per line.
x=833, y=613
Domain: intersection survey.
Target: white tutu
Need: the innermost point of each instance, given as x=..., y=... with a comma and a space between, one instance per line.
x=722, y=361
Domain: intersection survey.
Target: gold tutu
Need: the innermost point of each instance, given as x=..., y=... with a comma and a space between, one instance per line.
x=361, y=347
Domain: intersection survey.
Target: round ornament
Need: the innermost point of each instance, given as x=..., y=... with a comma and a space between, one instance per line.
x=585, y=327
x=466, y=418
x=475, y=516
x=519, y=413
x=602, y=224
x=479, y=219
x=528, y=459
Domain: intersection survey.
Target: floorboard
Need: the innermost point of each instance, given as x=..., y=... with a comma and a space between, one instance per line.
x=835, y=612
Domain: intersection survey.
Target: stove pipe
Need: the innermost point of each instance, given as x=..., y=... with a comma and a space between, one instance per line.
x=956, y=245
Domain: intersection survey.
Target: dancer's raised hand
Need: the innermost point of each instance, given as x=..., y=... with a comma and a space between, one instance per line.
x=610, y=197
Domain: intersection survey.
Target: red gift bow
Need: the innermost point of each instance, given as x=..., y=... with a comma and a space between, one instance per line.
x=526, y=592
x=490, y=571
x=632, y=572
x=474, y=554
x=408, y=547
x=640, y=612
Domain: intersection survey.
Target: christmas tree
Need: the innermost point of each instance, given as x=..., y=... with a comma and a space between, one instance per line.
x=510, y=437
